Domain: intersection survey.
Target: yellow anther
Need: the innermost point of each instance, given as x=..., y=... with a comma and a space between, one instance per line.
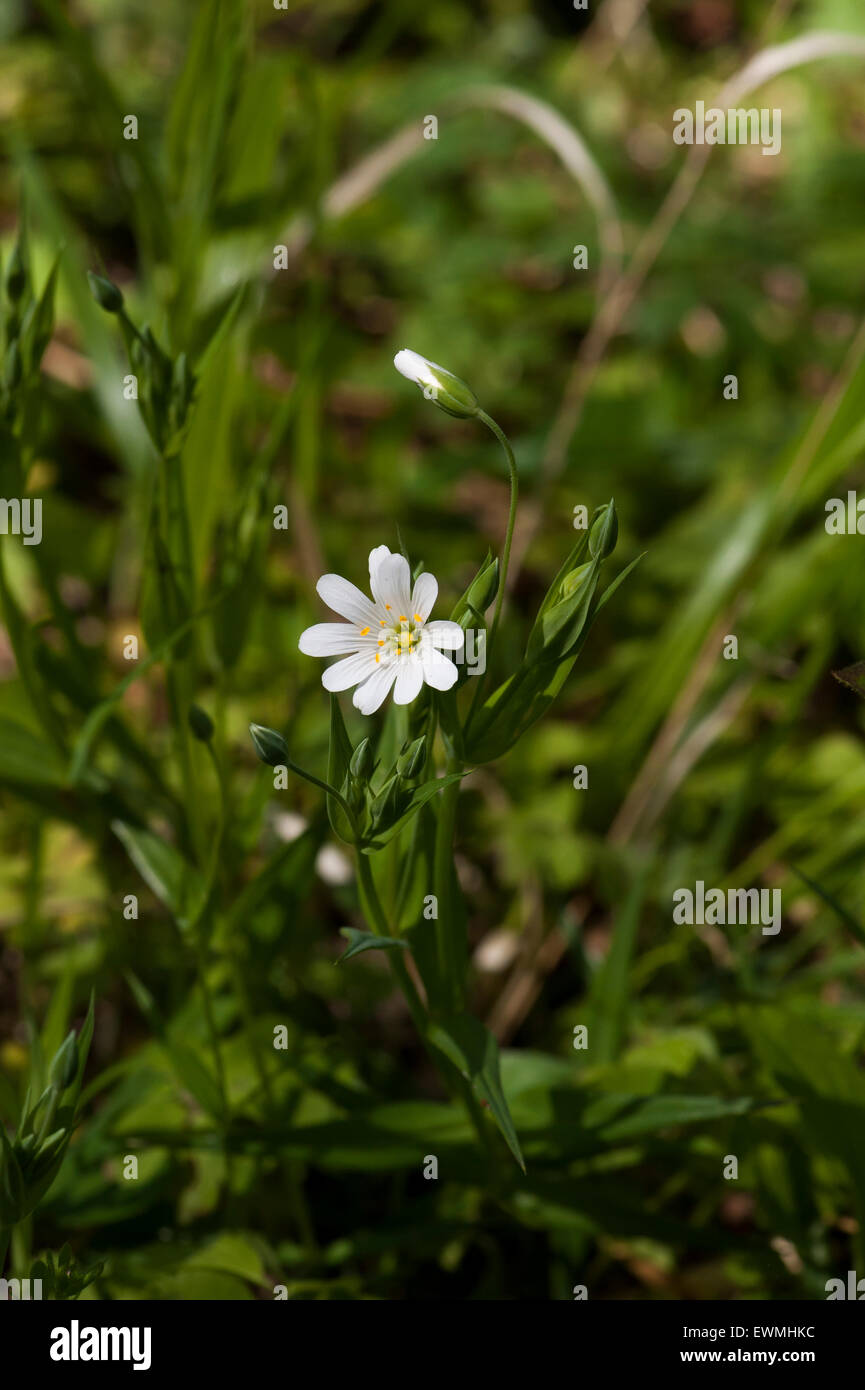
x=418, y=618
x=364, y=632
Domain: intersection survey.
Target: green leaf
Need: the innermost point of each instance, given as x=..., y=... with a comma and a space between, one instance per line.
x=473, y=1049
x=806, y=1062
x=56, y=1023
x=562, y=624
x=25, y=757
x=419, y=797
x=338, y=761
x=12, y=1187
x=102, y=712
x=165, y=600
x=164, y=870
x=232, y=1253
x=289, y=869
x=39, y=321
x=146, y=1003
x=207, y=450
x=85, y=1037
x=196, y=1077
x=360, y=941
x=853, y=925
x=619, y=579
x=609, y=991
x=620, y=1118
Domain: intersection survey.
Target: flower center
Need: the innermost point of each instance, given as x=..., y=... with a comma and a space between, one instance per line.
x=398, y=637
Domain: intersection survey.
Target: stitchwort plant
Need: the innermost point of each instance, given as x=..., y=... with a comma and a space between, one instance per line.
x=394, y=795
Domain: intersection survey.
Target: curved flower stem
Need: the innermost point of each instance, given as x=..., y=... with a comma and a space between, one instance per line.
x=506, y=548
x=512, y=513
x=325, y=787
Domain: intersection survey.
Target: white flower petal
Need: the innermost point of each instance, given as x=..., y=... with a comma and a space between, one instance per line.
x=346, y=599
x=373, y=692
x=445, y=634
x=409, y=679
x=414, y=367
x=393, y=586
x=330, y=639
x=423, y=596
x=351, y=671
x=438, y=670
x=377, y=558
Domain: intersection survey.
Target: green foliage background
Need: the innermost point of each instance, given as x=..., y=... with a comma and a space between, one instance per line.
x=303, y=1167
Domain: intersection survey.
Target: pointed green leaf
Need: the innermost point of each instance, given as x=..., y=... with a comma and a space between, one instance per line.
x=419, y=797
x=164, y=870
x=473, y=1049
x=359, y=941
x=338, y=761
x=853, y=925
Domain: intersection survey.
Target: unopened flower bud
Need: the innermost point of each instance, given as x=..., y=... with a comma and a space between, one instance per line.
x=484, y=587
x=106, y=294
x=386, y=806
x=438, y=384
x=479, y=595
x=573, y=579
x=270, y=746
x=361, y=760
x=604, y=533
x=16, y=275
x=410, y=762
x=200, y=723
x=65, y=1064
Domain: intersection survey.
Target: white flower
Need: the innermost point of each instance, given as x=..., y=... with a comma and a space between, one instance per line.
x=386, y=641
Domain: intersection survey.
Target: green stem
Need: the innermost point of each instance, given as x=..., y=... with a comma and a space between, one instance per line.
x=512, y=514
x=291, y=1168
x=378, y=921
x=453, y=1078
x=21, y=1246
x=200, y=950
x=442, y=875
x=506, y=548
x=200, y=934
x=210, y=1021
x=192, y=800
x=325, y=787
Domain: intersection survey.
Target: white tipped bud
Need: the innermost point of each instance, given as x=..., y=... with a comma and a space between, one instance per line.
x=438, y=384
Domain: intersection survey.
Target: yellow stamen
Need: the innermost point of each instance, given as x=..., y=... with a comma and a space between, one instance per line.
x=418, y=618
x=364, y=632
x=403, y=618
x=387, y=606
x=377, y=657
